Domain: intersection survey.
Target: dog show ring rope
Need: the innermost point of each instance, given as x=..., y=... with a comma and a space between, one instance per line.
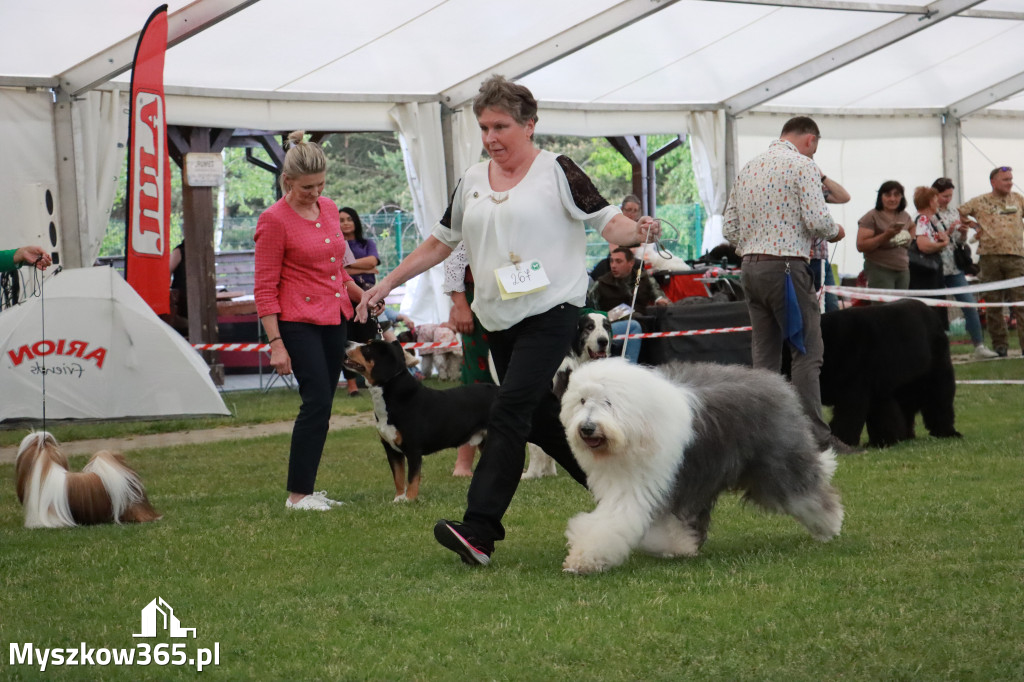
x=846, y=292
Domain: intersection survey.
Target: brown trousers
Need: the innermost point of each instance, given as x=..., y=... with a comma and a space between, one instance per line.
x=995, y=268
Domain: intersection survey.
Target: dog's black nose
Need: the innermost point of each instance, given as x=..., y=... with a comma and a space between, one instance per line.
x=602, y=343
x=587, y=429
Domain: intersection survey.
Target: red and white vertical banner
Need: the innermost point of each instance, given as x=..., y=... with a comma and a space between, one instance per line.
x=147, y=254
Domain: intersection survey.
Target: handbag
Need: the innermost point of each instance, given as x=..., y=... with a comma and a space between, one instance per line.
x=964, y=261
x=923, y=261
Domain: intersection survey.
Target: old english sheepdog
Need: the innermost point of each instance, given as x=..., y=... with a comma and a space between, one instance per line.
x=659, y=446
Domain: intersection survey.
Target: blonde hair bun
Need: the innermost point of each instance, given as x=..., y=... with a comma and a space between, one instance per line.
x=302, y=158
x=295, y=138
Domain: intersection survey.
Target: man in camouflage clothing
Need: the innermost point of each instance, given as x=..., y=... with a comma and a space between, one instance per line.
x=999, y=219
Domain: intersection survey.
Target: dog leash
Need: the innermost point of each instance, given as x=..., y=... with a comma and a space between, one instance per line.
x=380, y=330
x=37, y=279
x=636, y=285
x=826, y=264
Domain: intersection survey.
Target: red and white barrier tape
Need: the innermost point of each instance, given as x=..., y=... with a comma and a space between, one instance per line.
x=434, y=344
x=251, y=347
x=688, y=332
x=245, y=347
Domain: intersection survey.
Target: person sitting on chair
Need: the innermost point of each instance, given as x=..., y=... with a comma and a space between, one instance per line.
x=616, y=287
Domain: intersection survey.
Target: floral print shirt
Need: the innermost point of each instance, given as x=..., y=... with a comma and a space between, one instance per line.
x=948, y=220
x=776, y=206
x=1001, y=222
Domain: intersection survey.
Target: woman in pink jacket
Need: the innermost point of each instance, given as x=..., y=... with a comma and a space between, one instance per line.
x=304, y=298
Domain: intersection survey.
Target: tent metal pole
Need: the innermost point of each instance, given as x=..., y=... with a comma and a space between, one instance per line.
x=67, y=181
x=448, y=144
x=952, y=155
x=859, y=47
x=990, y=95
x=731, y=153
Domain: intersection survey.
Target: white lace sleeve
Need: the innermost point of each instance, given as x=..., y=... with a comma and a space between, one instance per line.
x=455, y=270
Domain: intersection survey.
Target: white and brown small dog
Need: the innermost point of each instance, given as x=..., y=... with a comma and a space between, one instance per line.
x=107, y=490
x=592, y=342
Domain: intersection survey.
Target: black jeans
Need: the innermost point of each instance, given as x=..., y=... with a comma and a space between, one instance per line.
x=526, y=357
x=316, y=352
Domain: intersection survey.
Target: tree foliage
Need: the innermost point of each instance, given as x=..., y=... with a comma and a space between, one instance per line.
x=249, y=189
x=367, y=172
x=612, y=173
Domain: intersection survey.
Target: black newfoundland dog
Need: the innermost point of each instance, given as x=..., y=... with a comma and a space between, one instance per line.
x=883, y=364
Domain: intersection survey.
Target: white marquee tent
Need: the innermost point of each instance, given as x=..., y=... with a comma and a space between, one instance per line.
x=93, y=349
x=909, y=89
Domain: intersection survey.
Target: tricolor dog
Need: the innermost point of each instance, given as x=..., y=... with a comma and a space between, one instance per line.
x=592, y=342
x=414, y=420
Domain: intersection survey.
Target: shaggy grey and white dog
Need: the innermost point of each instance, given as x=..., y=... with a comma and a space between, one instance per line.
x=659, y=446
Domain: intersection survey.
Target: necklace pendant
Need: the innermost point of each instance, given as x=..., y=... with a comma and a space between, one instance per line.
x=500, y=197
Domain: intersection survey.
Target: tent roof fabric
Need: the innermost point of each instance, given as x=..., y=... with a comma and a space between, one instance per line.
x=623, y=53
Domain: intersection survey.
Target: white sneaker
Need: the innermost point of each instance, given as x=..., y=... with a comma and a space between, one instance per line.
x=982, y=353
x=308, y=503
x=322, y=496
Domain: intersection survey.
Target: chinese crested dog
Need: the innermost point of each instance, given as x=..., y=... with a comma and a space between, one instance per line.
x=659, y=446
x=107, y=490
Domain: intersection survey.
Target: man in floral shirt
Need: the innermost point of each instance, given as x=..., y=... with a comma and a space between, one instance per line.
x=999, y=219
x=776, y=209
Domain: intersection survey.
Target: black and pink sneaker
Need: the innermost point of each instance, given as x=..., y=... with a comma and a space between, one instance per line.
x=455, y=536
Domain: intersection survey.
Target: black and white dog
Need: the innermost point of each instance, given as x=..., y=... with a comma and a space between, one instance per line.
x=593, y=340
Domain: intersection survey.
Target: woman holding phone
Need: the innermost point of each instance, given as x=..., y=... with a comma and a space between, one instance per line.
x=883, y=235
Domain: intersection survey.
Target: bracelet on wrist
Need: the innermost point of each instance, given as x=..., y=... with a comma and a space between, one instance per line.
x=276, y=338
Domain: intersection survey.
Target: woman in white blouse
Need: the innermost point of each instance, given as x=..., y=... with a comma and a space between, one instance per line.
x=522, y=216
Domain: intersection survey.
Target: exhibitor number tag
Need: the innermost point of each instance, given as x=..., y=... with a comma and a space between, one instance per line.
x=520, y=279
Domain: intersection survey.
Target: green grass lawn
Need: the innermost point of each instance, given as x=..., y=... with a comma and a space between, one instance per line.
x=925, y=582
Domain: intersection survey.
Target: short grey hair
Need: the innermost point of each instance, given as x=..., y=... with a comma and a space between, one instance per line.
x=499, y=93
x=631, y=199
